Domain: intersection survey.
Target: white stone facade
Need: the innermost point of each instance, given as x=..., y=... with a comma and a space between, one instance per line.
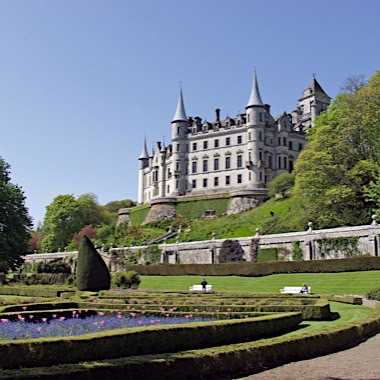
x=234, y=155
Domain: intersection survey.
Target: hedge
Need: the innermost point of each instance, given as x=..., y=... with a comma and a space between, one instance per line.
x=251, y=269
x=141, y=341
x=232, y=361
x=31, y=291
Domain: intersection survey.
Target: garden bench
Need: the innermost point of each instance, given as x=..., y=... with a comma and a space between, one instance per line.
x=199, y=288
x=293, y=289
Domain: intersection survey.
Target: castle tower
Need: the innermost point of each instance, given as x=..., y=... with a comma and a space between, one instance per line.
x=143, y=163
x=177, y=171
x=256, y=116
x=313, y=101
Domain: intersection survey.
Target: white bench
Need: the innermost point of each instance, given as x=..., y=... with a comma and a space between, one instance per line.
x=199, y=288
x=293, y=289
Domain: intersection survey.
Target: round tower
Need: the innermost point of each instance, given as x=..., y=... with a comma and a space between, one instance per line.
x=180, y=124
x=143, y=163
x=256, y=115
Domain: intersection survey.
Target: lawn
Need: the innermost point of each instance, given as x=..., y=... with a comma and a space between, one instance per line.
x=346, y=283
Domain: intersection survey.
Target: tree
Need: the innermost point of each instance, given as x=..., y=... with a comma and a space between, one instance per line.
x=62, y=220
x=15, y=222
x=92, y=213
x=342, y=158
x=231, y=250
x=281, y=185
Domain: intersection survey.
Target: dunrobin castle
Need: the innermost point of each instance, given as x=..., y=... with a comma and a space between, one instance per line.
x=236, y=156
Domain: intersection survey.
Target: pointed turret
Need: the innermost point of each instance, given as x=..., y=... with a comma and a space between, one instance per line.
x=180, y=114
x=255, y=98
x=144, y=152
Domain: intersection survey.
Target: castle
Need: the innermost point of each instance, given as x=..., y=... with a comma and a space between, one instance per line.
x=237, y=156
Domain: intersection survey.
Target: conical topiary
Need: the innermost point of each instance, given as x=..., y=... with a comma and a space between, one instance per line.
x=92, y=271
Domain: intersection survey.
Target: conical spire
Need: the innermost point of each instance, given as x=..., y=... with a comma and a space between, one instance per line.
x=180, y=114
x=255, y=98
x=144, y=152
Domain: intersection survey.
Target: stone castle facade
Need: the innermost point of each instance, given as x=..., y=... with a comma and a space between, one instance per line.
x=237, y=156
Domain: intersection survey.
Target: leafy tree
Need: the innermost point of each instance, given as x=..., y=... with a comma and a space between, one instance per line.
x=92, y=213
x=62, y=220
x=281, y=185
x=15, y=223
x=342, y=158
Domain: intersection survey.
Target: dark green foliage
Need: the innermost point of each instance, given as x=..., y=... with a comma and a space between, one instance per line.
x=231, y=250
x=267, y=254
x=297, y=254
x=373, y=294
x=15, y=222
x=56, y=266
x=126, y=280
x=46, y=279
x=92, y=272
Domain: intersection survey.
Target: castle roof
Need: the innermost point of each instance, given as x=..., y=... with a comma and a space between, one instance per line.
x=313, y=88
x=180, y=114
x=144, y=152
x=255, y=98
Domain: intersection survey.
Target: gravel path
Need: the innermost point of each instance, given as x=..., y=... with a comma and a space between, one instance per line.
x=358, y=363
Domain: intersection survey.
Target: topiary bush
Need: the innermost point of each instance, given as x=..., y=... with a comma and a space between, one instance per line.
x=373, y=294
x=231, y=250
x=92, y=272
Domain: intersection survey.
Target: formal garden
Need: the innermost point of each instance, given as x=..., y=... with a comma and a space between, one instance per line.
x=132, y=325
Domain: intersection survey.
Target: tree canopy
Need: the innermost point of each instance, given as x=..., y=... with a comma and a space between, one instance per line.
x=15, y=222
x=342, y=159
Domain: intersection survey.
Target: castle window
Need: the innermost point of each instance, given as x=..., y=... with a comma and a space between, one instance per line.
x=239, y=161
x=261, y=176
x=204, y=182
x=227, y=180
x=285, y=162
x=205, y=144
x=260, y=136
x=205, y=165
x=261, y=117
x=194, y=183
x=228, y=162
x=228, y=141
x=216, y=143
x=155, y=176
x=279, y=162
x=227, y=124
x=270, y=162
x=248, y=117
x=178, y=146
x=290, y=145
x=176, y=184
x=239, y=139
x=194, y=167
x=285, y=142
x=238, y=122
x=194, y=147
x=250, y=176
x=168, y=189
x=249, y=135
x=239, y=178
x=279, y=141
x=178, y=130
x=300, y=147
x=216, y=181
x=260, y=156
x=216, y=164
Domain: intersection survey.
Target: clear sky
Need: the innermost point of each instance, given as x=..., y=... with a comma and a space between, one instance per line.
x=82, y=82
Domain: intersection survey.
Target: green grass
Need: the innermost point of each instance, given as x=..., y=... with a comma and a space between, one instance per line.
x=346, y=283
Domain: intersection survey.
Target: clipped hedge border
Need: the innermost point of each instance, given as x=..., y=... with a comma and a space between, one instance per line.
x=141, y=341
x=252, y=269
x=30, y=291
x=223, y=362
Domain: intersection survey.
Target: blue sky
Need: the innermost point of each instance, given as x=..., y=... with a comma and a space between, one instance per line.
x=82, y=82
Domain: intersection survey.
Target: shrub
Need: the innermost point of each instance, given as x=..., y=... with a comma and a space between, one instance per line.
x=126, y=280
x=374, y=294
x=231, y=250
x=56, y=266
x=151, y=254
